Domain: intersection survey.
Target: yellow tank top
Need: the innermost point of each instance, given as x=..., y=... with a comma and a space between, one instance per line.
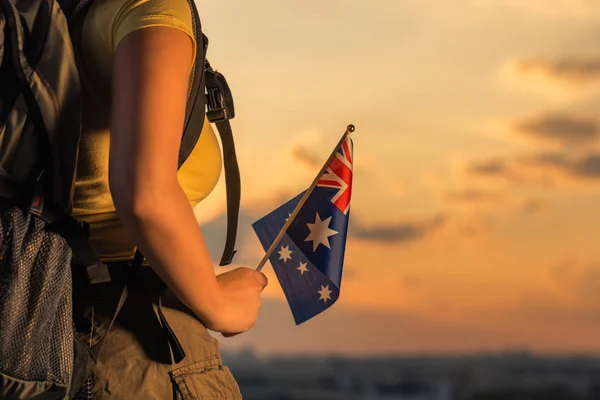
x=105, y=25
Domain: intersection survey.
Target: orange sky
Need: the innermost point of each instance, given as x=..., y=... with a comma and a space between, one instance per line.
x=477, y=176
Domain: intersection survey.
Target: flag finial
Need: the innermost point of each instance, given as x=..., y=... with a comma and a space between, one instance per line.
x=350, y=128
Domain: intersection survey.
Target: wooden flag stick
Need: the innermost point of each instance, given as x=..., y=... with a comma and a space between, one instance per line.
x=289, y=221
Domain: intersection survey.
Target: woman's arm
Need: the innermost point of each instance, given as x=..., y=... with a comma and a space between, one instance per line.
x=151, y=69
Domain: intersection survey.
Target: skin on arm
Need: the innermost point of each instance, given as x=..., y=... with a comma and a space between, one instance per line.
x=151, y=70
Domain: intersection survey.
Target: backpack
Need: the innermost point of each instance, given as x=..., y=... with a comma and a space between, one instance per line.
x=41, y=245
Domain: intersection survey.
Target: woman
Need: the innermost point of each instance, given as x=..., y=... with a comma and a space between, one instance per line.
x=137, y=56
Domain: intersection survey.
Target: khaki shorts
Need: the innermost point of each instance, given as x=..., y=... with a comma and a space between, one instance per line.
x=136, y=361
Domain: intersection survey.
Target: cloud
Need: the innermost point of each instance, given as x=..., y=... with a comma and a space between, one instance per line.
x=580, y=9
x=577, y=282
x=560, y=78
x=472, y=226
x=586, y=166
x=399, y=232
x=562, y=129
x=506, y=170
x=542, y=169
x=488, y=167
x=478, y=205
x=307, y=157
x=532, y=205
x=472, y=196
x=578, y=71
x=214, y=233
x=269, y=201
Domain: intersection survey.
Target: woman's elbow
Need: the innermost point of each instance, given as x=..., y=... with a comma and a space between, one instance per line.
x=128, y=201
x=135, y=200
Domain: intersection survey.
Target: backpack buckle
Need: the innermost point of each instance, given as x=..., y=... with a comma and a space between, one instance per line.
x=37, y=205
x=217, y=111
x=219, y=98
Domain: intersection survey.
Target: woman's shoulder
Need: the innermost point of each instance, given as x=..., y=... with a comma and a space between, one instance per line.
x=112, y=20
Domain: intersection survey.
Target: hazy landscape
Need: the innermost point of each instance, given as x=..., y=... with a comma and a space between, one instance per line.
x=511, y=375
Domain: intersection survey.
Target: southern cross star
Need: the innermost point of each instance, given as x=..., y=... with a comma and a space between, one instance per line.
x=302, y=268
x=324, y=292
x=285, y=253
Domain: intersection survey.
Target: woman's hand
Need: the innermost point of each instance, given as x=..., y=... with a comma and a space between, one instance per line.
x=240, y=301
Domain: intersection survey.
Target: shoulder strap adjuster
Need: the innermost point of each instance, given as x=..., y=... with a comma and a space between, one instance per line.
x=219, y=98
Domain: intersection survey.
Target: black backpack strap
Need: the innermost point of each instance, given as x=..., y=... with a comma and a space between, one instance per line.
x=220, y=111
x=233, y=189
x=28, y=80
x=74, y=9
x=76, y=233
x=37, y=97
x=136, y=266
x=196, y=100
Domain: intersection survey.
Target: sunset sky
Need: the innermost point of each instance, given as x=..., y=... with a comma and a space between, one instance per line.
x=474, y=218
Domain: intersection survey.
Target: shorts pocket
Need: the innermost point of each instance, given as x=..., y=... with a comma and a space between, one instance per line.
x=204, y=380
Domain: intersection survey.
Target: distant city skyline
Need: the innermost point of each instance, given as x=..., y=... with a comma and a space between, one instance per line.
x=518, y=376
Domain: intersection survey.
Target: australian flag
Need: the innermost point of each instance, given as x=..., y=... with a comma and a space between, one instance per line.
x=309, y=259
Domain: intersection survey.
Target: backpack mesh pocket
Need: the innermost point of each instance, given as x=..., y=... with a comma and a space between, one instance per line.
x=36, y=323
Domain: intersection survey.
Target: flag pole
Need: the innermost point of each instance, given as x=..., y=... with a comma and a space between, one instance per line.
x=349, y=130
